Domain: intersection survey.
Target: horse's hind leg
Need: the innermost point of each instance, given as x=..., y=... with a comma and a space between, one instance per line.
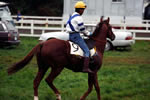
x=37, y=81
x=54, y=73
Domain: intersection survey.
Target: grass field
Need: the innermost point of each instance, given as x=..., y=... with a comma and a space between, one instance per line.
x=125, y=75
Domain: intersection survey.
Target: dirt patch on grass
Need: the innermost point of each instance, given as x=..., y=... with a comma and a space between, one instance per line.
x=127, y=60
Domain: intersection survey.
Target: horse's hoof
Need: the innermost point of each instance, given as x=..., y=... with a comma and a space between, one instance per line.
x=58, y=97
x=36, y=98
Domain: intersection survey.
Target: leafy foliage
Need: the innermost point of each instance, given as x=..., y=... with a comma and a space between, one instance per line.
x=36, y=7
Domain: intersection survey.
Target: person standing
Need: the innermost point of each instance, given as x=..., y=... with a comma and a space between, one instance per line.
x=18, y=15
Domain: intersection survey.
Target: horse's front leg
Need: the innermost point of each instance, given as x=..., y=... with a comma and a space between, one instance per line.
x=97, y=88
x=90, y=86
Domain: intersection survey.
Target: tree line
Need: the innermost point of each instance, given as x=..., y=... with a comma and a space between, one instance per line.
x=36, y=7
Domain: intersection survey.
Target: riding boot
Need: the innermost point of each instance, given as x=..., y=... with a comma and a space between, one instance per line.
x=86, y=66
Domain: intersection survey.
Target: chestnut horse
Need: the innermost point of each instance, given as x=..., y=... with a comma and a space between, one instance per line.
x=55, y=53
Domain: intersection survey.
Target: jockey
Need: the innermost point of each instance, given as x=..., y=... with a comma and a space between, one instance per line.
x=74, y=27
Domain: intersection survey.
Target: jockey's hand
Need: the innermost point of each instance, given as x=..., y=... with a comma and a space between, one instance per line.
x=89, y=34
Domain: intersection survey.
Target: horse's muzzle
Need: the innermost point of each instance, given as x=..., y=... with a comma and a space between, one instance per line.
x=113, y=37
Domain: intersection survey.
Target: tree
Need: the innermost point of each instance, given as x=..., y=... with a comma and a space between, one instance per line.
x=36, y=7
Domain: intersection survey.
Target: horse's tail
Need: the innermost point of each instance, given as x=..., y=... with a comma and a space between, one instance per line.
x=21, y=64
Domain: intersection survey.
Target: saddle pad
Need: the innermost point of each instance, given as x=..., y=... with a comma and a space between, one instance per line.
x=76, y=50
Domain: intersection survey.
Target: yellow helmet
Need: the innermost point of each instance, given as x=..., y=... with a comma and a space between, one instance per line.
x=80, y=4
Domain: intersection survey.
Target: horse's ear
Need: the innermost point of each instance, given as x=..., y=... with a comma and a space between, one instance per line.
x=101, y=18
x=108, y=19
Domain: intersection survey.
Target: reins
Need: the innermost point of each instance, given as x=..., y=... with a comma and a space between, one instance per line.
x=99, y=41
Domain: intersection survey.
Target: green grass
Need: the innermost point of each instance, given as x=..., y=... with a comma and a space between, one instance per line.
x=125, y=75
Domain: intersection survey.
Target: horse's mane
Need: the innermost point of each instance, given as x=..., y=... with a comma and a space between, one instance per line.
x=98, y=28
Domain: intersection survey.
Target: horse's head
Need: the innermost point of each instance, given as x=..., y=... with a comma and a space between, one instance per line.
x=103, y=30
x=110, y=33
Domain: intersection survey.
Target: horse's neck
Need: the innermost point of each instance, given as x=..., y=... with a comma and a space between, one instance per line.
x=100, y=47
x=100, y=40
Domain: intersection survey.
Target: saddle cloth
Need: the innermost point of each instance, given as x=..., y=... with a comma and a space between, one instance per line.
x=76, y=50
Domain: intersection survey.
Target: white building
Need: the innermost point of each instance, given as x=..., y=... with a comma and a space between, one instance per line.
x=117, y=10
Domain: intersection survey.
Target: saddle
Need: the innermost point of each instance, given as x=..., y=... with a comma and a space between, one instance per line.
x=76, y=50
x=78, y=56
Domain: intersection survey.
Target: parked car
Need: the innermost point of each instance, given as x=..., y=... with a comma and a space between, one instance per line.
x=123, y=39
x=58, y=35
x=4, y=7
x=5, y=13
x=8, y=34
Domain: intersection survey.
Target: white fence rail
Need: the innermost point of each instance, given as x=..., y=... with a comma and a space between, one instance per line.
x=34, y=26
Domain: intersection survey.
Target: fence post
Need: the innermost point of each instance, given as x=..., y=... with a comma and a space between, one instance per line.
x=43, y=31
x=147, y=25
x=62, y=26
x=22, y=18
x=32, y=27
x=134, y=35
